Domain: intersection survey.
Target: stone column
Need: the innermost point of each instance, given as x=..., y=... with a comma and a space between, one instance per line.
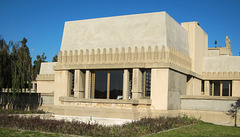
x=159, y=88
x=87, y=84
x=62, y=85
x=206, y=88
x=125, y=84
x=235, y=88
x=137, y=84
x=79, y=82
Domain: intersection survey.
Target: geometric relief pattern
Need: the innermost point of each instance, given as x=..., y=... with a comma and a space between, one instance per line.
x=166, y=54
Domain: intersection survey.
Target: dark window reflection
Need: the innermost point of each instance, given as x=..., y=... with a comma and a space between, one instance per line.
x=116, y=84
x=216, y=88
x=72, y=82
x=225, y=88
x=101, y=84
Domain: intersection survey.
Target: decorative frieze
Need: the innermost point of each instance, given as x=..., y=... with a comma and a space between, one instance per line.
x=221, y=75
x=45, y=77
x=138, y=55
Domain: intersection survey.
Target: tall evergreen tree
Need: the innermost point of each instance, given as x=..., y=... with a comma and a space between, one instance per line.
x=5, y=68
x=55, y=58
x=21, y=66
x=37, y=64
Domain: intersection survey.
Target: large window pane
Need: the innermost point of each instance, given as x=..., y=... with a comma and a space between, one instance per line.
x=101, y=84
x=116, y=84
x=216, y=88
x=225, y=86
x=148, y=83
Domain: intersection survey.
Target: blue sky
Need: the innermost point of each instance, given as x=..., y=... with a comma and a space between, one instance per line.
x=42, y=21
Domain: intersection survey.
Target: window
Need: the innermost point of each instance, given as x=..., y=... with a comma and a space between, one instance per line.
x=202, y=86
x=146, y=83
x=107, y=84
x=130, y=84
x=71, y=82
x=221, y=88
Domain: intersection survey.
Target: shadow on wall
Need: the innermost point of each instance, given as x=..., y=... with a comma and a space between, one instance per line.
x=20, y=101
x=233, y=111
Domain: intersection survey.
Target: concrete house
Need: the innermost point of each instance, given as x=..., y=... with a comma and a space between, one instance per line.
x=140, y=65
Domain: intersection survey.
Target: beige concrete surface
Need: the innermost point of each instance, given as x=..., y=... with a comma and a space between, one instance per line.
x=236, y=88
x=176, y=88
x=222, y=64
x=45, y=86
x=47, y=67
x=159, y=88
x=147, y=29
x=198, y=45
x=62, y=85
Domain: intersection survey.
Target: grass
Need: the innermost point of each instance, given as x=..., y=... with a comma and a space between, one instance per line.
x=198, y=130
x=6, y=111
x=4, y=132
x=202, y=130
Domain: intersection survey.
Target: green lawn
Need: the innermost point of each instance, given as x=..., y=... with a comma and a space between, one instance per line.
x=4, y=132
x=202, y=130
x=198, y=130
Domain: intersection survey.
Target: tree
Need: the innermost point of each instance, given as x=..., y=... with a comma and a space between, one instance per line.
x=22, y=66
x=232, y=112
x=37, y=64
x=55, y=58
x=5, y=66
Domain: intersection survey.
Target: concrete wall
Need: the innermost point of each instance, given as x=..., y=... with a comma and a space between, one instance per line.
x=222, y=64
x=47, y=99
x=148, y=29
x=198, y=45
x=47, y=67
x=236, y=88
x=176, y=88
x=177, y=36
x=213, y=52
x=207, y=103
x=45, y=86
x=159, y=88
x=193, y=86
x=62, y=85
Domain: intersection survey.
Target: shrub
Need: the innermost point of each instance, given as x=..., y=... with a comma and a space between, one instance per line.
x=143, y=126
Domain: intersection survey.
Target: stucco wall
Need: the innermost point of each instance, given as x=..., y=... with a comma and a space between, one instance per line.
x=148, y=29
x=159, y=88
x=62, y=85
x=207, y=103
x=177, y=36
x=47, y=67
x=213, y=52
x=176, y=88
x=47, y=99
x=236, y=88
x=198, y=45
x=45, y=86
x=222, y=64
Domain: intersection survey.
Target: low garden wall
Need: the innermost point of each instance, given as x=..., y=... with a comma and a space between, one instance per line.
x=20, y=101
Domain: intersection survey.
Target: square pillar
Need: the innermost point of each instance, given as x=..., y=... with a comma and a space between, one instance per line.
x=159, y=88
x=125, y=84
x=79, y=84
x=62, y=85
x=206, y=88
x=87, y=84
x=236, y=88
x=193, y=86
x=137, y=84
